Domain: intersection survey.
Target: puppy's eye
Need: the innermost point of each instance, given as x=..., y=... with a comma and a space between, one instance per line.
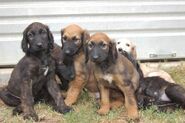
x=90, y=45
x=30, y=35
x=64, y=38
x=43, y=32
x=77, y=41
x=128, y=45
x=118, y=42
x=103, y=46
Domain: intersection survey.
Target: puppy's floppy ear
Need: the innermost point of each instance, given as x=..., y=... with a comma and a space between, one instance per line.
x=25, y=43
x=85, y=39
x=86, y=52
x=62, y=32
x=85, y=36
x=50, y=37
x=113, y=54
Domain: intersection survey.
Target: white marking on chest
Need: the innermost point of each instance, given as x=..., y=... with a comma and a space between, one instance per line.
x=108, y=77
x=164, y=97
x=97, y=95
x=46, y=70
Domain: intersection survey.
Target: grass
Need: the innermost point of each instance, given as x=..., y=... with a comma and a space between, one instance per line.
x=85, y=110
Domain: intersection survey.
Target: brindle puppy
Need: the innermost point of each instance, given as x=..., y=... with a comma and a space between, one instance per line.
x=34, y=76
x=73, y=39
x=64, y=66
x=112, y=70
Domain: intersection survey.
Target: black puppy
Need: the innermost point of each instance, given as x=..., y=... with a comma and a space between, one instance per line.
x=33, y=78
x=64, y=66
x=156, y=90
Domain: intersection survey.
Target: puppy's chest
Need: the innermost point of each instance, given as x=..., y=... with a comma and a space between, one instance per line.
x=108, y=78
x=44, y=70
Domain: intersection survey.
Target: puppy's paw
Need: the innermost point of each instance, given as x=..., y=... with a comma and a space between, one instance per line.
x=17, y=110
x=68, y=102
x=133, y=116
x=65, y=109
x=31, y=115
x=103, y=111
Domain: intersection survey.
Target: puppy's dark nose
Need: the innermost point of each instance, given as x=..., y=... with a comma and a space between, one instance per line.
x=95, y=57
x=119, y=49
x=39, y=45
x=67, y=51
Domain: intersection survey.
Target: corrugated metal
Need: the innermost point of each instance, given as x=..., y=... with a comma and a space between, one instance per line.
x=156, y=26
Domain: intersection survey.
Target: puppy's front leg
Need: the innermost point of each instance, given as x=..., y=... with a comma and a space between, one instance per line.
x=54, y=91
x=75, y=89
x=105, y=103
x=130, y=100
x=27, y=100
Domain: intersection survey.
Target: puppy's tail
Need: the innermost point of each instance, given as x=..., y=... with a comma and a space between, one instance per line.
x=8, y=98
x=176, y=93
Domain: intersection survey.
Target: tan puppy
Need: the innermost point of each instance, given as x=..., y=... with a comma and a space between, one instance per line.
x=112, y=70
x=130, y=47
x=73, y=39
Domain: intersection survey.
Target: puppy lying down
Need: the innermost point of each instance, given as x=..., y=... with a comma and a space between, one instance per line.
x=159, y=92
x=130, y=47
x=156, y=90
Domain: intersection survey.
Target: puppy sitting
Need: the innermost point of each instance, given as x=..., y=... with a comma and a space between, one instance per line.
x=33, y=78
x=73, y=39
x=112, y=70
x=64, y=66
x=130, y=48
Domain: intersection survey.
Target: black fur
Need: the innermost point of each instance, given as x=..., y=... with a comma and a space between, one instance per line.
x=64, y=66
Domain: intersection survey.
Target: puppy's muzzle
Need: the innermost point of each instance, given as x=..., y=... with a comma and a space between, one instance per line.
x=39, y=45
x=120, y=49
x=95, y=57
x=67, y=52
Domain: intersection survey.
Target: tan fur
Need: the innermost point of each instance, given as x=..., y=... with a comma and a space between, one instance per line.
x=149, y=72
x=78, y=83
x=120, y=71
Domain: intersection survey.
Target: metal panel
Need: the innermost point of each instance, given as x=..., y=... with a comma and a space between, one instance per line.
x=156, y=26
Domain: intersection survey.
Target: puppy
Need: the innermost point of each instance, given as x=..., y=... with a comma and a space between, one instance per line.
x=159, y=92
x=126, y=45
x=130, y=48
x=73, y=39
x=33, y=78
x=64, y=66
x=112, y=70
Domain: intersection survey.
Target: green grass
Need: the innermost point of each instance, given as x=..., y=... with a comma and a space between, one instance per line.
x=85, y=110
